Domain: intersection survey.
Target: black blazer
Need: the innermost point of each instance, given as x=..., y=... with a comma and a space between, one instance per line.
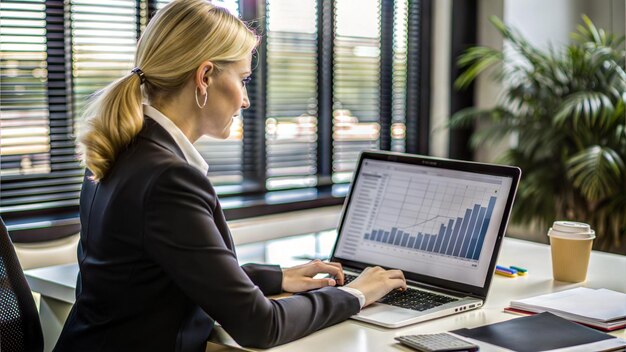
x=158, y=265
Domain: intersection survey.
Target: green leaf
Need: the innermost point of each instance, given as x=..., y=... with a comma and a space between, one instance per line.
x=587, y=109
x=596, y=172
x=476, y=60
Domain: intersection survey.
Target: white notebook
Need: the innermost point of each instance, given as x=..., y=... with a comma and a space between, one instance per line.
x=601, y=307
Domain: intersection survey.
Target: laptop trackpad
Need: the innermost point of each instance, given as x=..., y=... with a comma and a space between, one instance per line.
x=385, y=313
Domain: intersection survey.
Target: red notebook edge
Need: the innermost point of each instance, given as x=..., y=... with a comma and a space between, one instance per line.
x=601, y=328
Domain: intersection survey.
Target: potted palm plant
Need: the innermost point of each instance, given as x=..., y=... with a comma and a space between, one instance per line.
x=565, y=108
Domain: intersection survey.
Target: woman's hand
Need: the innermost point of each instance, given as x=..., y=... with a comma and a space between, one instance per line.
x=375, y=282
x=300, y=278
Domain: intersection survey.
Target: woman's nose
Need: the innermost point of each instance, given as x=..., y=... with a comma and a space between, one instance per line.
x=246, y=101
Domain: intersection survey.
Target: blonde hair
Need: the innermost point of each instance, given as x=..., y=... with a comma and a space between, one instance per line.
x=177, y=40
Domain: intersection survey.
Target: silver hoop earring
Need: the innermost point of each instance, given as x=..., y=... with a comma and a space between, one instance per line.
x=205, y=98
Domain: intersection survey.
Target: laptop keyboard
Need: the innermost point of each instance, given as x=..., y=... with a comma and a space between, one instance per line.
x=411, y=298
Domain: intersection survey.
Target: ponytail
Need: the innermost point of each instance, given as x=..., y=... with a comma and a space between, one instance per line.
x=113, y=119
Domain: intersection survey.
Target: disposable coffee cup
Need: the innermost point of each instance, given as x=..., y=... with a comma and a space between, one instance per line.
x=570, y=244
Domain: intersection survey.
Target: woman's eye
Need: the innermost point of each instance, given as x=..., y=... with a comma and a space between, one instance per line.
x=246, y=80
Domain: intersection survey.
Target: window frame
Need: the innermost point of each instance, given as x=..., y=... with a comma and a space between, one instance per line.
x=251, y=198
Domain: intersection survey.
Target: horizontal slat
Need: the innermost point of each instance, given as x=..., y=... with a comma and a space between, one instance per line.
x=49, y=190
x=33, y=181
x=38, y=206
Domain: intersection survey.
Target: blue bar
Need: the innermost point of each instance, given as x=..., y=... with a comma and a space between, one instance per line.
x=367, y=236
x=431, y=242
x=388, y=239
x=475, y=233
x=433, y=238
x=455, y=234
x=396, y=241
x=424, y=245
x=446, y=238
x=442, y=239
x=385, y=236
x=465, y=238
x=483, y=231
x=393, y=234
x=458, y=239
x=411, y=241
x=418, y=238
x=379, y=235
x=405, y=238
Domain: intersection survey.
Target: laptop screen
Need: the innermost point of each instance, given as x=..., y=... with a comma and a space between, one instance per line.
x=432, y=221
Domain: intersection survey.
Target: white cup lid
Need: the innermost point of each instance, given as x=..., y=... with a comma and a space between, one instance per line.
x=570, y=226
x=571, y=230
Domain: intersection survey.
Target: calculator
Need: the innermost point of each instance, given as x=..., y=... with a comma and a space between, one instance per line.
x=436, y=343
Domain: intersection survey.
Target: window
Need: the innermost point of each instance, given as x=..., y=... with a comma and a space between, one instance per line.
x=399, y=76
x=24, y=126
x=38, y=169
x=291, y=122
x=324, y=87
x=103, y=40
x=356, y=90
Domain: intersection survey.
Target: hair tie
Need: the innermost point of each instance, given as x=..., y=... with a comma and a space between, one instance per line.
x=139, y=73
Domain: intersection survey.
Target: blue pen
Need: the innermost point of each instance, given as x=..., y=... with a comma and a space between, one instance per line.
x=508, y=270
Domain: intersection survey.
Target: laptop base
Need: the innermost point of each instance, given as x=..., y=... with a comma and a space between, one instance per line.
x=395, y=317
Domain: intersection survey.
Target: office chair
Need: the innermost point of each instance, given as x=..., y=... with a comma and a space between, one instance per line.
x=20, y=329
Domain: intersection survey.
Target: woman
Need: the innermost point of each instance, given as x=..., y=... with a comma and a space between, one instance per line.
x=157, y=262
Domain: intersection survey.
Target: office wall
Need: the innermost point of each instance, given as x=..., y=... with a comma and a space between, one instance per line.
x=545, y=22
x=607, y=14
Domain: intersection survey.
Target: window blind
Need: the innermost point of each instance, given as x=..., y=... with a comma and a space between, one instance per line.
x=104, y=37
x=291, y=124
x=225, y=157
x=400, y=33
x=38, y=170
x=356, y=83
x=102, y=47
x=24, y=129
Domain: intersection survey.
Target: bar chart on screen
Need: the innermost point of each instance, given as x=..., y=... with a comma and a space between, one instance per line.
x=459, y=237
x=420, y=216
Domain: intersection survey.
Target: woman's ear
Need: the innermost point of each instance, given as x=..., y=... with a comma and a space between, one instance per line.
x=203, y=75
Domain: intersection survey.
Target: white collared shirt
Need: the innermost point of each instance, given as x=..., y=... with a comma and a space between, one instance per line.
x=196, y=160
x=189, y=151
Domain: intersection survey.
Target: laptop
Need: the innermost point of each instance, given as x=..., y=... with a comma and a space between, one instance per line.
x=440, y=221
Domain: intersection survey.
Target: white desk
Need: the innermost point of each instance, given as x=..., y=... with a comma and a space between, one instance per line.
x=56, y=285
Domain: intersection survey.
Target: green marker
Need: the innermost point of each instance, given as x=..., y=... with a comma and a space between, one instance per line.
x=522, y=270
